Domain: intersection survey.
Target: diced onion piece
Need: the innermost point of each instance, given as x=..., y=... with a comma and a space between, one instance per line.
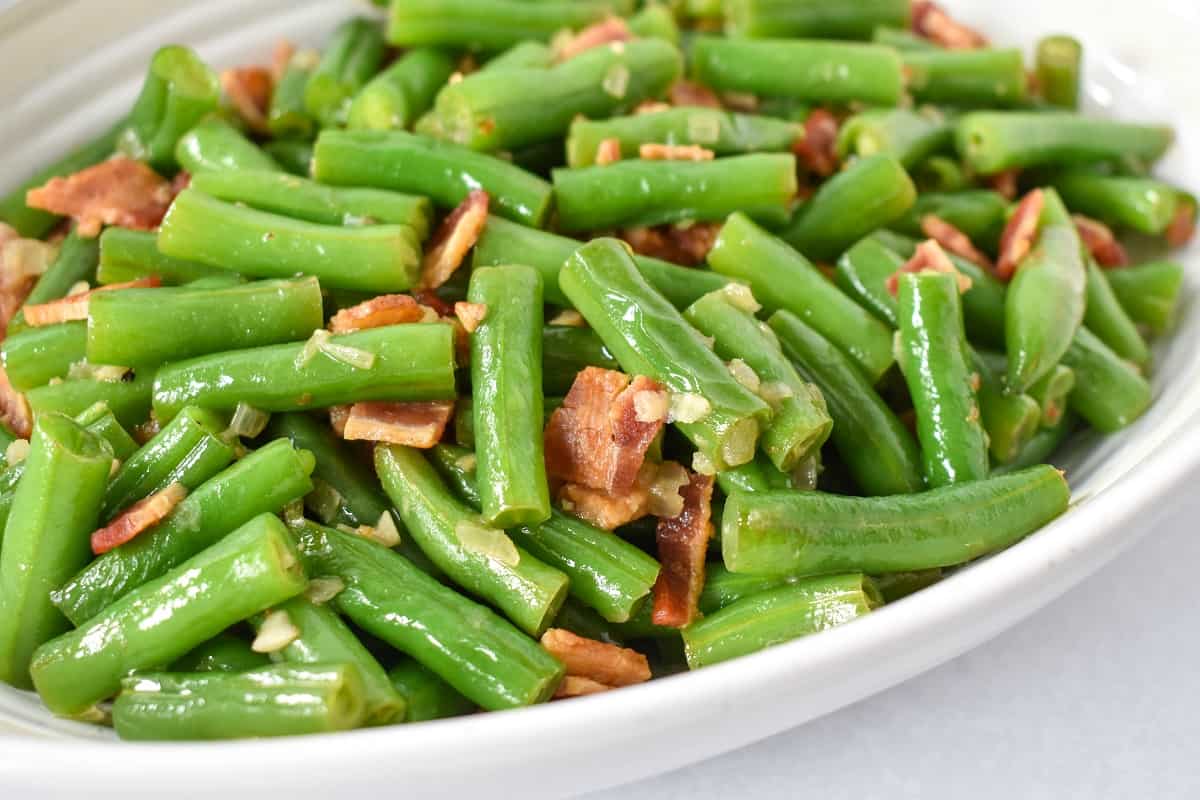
x=471, y=315
x=275, y=633
x=704, y=127
x=740, y=296
x=82, y=370
x=744, y=375
x=775, y=392
x=351, y=356
x=687, y=407
x=322, y=590
x=79, y=287
x=740, y=443
x=616, y=81
x=467, y=462
x=383, y=531
x=568, y=318
x=17, y=452
x=248, y=421
x=27, y=258
x=665, y=499
x=311, y=347
x=703, y=464
x=494, y=544
x=324, y=501
x=651, y=406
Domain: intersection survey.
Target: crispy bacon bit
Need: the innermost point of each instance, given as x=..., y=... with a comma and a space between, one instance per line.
x=689, y=94
x=953, y=240
x=606, y=510
x=680, y=244
x=596, y=438
x=281, y=57
x=934, y=24
x=14, y=409
x=651, y=107
x=608, y=152
x=1098, y=238
x=75, y=306
x=1020, y=234
x=471, y=315
x=682, y=548
x=457, y=234
x=929, y=258
x=607, y=31
x=817, y=150
x=653, y=151
x=574, y=686
x=119, y=191
x=249, y=89
x=603, y=663
x=146, y=431
x=429, y=299
x=1183, y=224
x=338, y=416
x=386, y=309
x=418, y=425
x=22, y=262
x=181, y=181
x=144, y=514
x=1005, y=183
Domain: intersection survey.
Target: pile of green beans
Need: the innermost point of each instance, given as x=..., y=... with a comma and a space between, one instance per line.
x=876, y=401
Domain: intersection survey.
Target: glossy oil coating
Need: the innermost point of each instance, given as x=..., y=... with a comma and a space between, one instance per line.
x=216, y=146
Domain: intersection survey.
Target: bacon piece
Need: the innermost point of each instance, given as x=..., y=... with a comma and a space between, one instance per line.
x=653, y=151
x=1098, y=238
x=929, y=258
x=689, y=94
x=146, y=431
x=608, y=152
x=181, y=181
x=429, y=299
x=418, y=425
x=22, y=262
x=386, y=309
x=119, y=191
x=606, y=510
x=682, y=548
x=457, y=234
x=249, y=89
x=338, y=415
x=14, y=409
x=934, y=24
x=471, y=315
x=142, y=515
x=75, y=306
x=1005, y=183
x=574, y=686
x=817, y=150
x=1183, y=224
x=1020, y=234
x=680, y=244
x=607, y=664
x=953, y=240
x=612, y=30
x=596, y=438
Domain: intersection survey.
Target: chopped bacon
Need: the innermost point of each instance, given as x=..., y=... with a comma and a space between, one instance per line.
x=281, y=57
x=471, y=315
x=119, y=191
x=181, y=181
x=953, y=240
x=817, y=149
x=75, y=306
x=1183, y=224
x=608, y=152
x=457, y=234
x=418, y=425
x=679, y=244
x=142, y=515
x=653, y=151
x=604, y=663
x=429, y=299
x=22, y=262
x=1020, y=234
x=929, y=258
x=682, y=549
x=1006, y=183
x=689, y=94
x=606, y=510
x=596, y=438
x=386, y=309
x=146, y=431
x=932, y=23
x=249, y=89
x=1098, y=238
x=607, y=31
x=338, y=416
x=14, y=409
x=574, y=686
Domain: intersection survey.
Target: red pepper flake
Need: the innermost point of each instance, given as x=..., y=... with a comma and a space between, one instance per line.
x=141, y=516
x=457, y=234
x=1100, y=241
x=934, y=24
x=817, y=150
x=953, y=240
x=419, y=425
x=75, y=306
x=249, y=90
x=682, y=549
x=653, y=151
x=119, y=191
x=1020, y=234
x=612, y=30
x=1183, y=224
x=386, y=309
x=688, y=94
x=929, y=257
x=606, y=664
x=608, y=152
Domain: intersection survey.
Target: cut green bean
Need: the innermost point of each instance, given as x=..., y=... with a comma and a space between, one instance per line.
x=225, y=652
x=36, y=356
x=982, y=78
x=723, y=588
x=292, y=155
x=909, y=135
x=350, y=59
x=1109, y=392
x=941, y=174
x=759, y=475
x=1149, y=293
x=427, y=696
x=178, y=92
x=1010, y=419
x=394, y=98
x=902, y=39
x=813, y=19
x=129, y=400
x=862, y=273
x=1143, y=204
x=655, y=21
x=488, y=25
x=1107, y=318
x=897, y=585
x=1058, y=69
x=1051, y=392
x=215, y=145
x=127, y=255
x=287, y=116
x=526, y=54
x=77, y=261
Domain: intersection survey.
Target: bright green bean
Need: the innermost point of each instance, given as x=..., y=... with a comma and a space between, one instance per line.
x=179, y=90
x=351, y=57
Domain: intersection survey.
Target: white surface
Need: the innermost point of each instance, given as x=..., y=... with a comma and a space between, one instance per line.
x=1122, y=483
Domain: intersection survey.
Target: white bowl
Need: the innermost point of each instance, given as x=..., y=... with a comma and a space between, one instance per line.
x=1141, y=65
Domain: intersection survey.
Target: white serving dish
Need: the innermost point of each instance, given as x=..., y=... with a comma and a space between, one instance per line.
x=1141, y=65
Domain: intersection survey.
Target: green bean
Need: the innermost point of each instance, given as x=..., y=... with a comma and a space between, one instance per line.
x=129, y=400
x=801, y=423
x=1109, y=392
x=1010, y=419
x=442, y=171
x=649, y=337
x=428, y=697
x=967, y=78
x=225, y=652
x=1046, y=298
x=993, y=141
x=488, y=25
x=253, y=568
x=411, y=362
x=902, y=39
x=506, y=361
x=782, y=278
x=567, y=350
x=655, y=21
x=46, y=538
x=723, y=132
x=878, y=451
x=127, y=255
x=373, y=258
x=810, y=533
x=504, y=242
x=941, y=174
x=640, y=192
x=216, y=146
x=779, y=615
x=404, y=91
x=77, y=261
x=980, y=214
x=467, y=645
x=281, y=700
x=1040, y=448
x=279, y=193
x=526, y=54
x=1051, y=392
x=862, y=273
x=261, y=483
x=489, y=110
x=813, y=19
x=583, y=621
x=178, y=92
x=35, y=356
x=352, y=56
x=909, y=135
x=139, y=327
x=292, y=155
x=1058, y=70
x=287, y=117
x=818, y=72
x=1143, y=204
x=759, y=475
x=895, y=586
x=1107, y=318
x=188, y=450
x=464, y=416
x=479, y=558
x=1149, y=293
x=324, y=639
x=723, y=588
x=871, y=193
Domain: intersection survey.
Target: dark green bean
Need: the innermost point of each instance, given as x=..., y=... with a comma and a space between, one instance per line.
x=895, y=586
x=1010, y=419
x=225, y=652
x=1051, y=392
x=77, y=261
x=1040, y=448
x=427, y=696
x=1149, y=293
x=394, y=98
x=1109, y=392
x=567, y=350
x=1107, y=318
x=351, y=57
